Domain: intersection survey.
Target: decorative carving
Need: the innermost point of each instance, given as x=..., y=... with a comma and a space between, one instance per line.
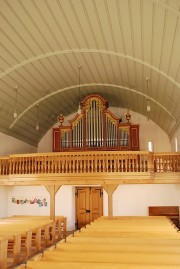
x=60, y=119
x=128, y=116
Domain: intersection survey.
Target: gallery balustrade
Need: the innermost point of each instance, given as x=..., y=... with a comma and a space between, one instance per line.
x=90, y=162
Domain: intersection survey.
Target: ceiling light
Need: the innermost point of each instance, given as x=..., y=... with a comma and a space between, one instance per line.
x=79, y=107
x=148, y=107
x=15, y=114
x=37, y=122
x=37, y=126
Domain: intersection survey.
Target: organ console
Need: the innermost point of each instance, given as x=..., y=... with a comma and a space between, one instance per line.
x=96, y=128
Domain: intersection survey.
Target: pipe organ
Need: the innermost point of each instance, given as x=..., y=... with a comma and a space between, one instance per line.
x=96, y=128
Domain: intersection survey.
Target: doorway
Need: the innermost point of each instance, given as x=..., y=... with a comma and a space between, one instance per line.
x=89, y=205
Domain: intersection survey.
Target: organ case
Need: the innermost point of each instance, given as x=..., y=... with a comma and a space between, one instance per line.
x=95, y=128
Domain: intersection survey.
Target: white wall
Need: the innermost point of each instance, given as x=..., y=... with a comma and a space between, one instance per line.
x=175, y=141
x=29, y=193
x=129, y=200
x=65, y=202
x=3, y=202
x=10, y=145
x=65, y=205
x=132, y=200
x=148, y=131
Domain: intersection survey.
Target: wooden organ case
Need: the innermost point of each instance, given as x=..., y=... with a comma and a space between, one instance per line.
x=95, y=128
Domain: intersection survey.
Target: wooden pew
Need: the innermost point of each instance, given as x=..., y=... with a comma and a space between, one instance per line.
x=116, y=244
x=155, y=219
x=27, y=231
x=124, y=240
x=15, y=241
x=110, y=230
x=127, y=227
x=47, y=228
x=110, y=257
x=100, y=247
x=61, y=223
x=126, y=235
x=129, y=222
x=3, y=252
x=19, y=243
x=25, y=237
x=89, y=265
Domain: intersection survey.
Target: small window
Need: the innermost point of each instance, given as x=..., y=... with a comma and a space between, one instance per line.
x=150, y=145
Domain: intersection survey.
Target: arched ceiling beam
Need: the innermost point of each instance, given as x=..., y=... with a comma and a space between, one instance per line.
x=87, y=85
x=174, y=129
x=166, y=6
x=111, y=53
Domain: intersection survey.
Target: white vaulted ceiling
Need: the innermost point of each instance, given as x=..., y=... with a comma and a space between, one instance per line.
x=119, y=43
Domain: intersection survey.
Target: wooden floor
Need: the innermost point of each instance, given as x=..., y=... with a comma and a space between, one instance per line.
x=120, y=242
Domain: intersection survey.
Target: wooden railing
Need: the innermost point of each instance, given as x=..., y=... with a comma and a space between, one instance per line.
x=79, y=162
x=89, y=162
x=164, y=162
x=4, y=165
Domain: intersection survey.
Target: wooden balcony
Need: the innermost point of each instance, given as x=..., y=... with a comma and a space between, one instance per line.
x=95, y=167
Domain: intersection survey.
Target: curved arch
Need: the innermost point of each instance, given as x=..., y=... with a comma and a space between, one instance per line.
x=112, y=53
x=87, y=85
x=166, y=6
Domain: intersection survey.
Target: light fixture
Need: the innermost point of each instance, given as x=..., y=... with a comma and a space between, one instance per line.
x=15, y=114
x=148, y=107
x=79, y=107
x=37, y=122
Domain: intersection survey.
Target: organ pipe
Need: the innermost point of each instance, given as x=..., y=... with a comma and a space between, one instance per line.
x=95, y=124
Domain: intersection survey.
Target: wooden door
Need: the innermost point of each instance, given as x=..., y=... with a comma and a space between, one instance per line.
x=89, y=205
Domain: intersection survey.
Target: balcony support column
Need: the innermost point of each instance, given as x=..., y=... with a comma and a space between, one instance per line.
x=110, y=188
x=53, y=189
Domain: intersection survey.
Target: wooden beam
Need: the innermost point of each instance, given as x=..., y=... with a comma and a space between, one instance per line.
x=53, y=189
x=91, y=179
x=110, y=188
